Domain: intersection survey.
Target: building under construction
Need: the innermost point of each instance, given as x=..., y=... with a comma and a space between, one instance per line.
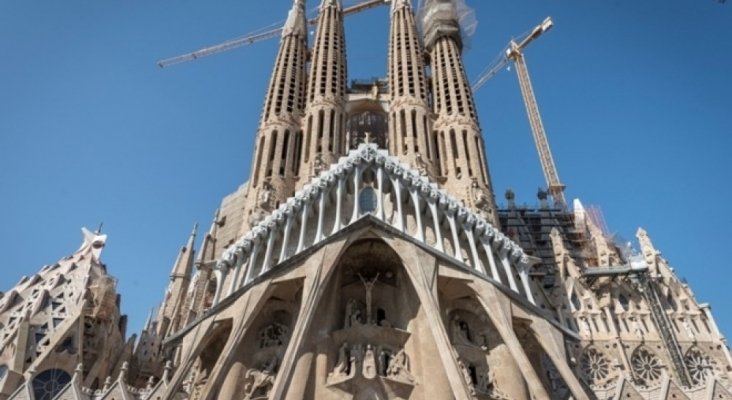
x=366, y=258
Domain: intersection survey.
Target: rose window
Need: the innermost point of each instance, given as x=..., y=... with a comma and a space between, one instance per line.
x=699, y=366
x=646, y=366
x=595, y=366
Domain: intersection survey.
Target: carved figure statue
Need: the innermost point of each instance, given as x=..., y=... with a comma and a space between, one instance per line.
x=319, y=164
x=266, y=196
x=384, y=359
x=259, y=382
x=356, y=357
x=421, y=165
x=369, y=363
x=399, y=367
x=342, y=367
x=687, y=328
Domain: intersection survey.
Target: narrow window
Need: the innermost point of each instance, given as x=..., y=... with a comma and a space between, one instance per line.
x=283, y=155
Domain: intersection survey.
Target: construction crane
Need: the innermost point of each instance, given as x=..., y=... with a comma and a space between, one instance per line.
x=514, y=52
x=259, y=36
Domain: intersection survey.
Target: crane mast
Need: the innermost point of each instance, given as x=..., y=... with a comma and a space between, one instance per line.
x=259, y=36
x=514, y=53
x=555, y=187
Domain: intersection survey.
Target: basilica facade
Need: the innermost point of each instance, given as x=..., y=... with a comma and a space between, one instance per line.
x=365, y=258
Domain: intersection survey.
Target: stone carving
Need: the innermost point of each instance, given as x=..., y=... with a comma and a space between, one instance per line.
x=260, y=381
x=369, y=286
x=273, y=335
x=399, y=368
x=480, y=197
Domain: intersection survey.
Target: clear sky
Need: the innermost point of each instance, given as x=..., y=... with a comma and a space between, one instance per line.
x=635, y=97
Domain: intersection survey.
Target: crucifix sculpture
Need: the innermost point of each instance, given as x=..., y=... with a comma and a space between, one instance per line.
x=369, y=285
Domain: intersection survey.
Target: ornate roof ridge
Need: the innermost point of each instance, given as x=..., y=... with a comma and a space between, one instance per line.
x=367, y=153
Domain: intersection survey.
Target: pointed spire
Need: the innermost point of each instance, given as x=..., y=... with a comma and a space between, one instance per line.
x=192, y=238
x=184, y=263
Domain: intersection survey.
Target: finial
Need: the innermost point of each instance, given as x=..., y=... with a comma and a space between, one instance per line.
x=99, y=230
x=150, y=383
x=78, y=372
x=167, y=371
x=107, y=384
x=123, y=372
x=510, y=195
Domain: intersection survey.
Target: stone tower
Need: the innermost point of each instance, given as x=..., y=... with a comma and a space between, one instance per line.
x=459, y=140
x=276, y=161
x=410, y=136
x=326, y=95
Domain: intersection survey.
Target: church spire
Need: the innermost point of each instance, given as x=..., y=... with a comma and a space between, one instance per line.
x=275, y=165
x=325, y=113
x=410, y=136
x=459, y=140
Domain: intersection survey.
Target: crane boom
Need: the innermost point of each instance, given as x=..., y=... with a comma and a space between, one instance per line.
x=514, y=52
x=259, y=36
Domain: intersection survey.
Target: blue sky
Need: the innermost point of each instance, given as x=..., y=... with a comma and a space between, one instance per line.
x=635, y=97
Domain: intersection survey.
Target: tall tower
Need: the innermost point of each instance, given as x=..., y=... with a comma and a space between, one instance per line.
x=276, y=161
x=460, y=143
x=326, y=96
x=409, y=134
